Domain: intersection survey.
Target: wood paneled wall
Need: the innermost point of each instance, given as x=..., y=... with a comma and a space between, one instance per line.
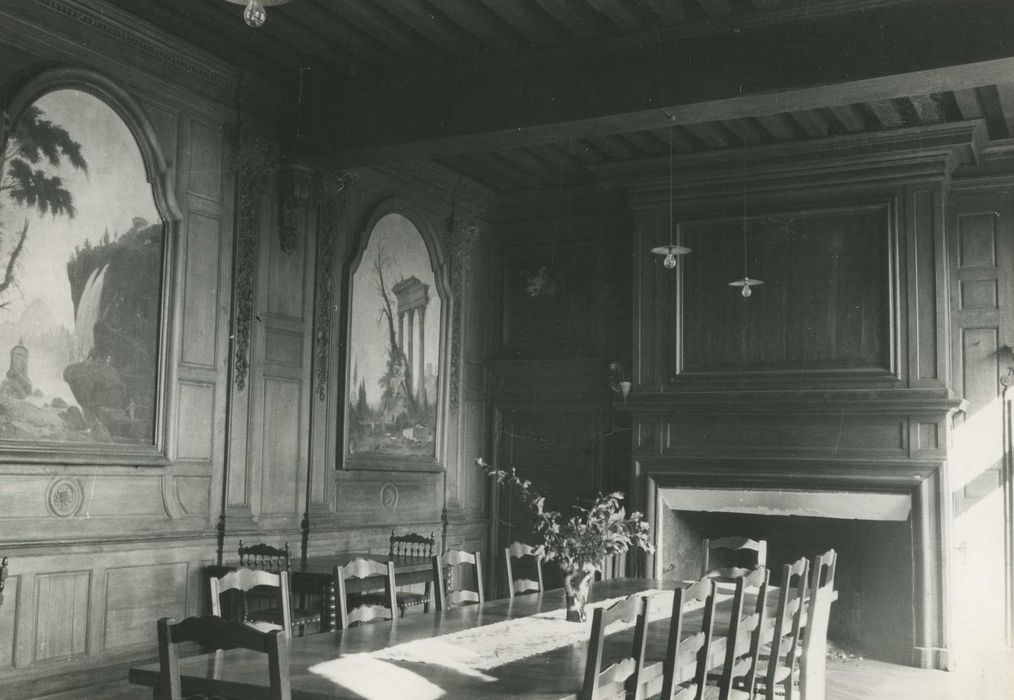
x=255, y=367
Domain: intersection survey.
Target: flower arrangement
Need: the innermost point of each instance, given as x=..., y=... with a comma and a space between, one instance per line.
x=580, y=543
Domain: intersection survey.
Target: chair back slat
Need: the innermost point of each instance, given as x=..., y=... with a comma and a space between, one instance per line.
x=620, y=677
x=264, y=556
x=685, y=666
x=244, y=580
x=362, y=568
x=814, y=657
x=743, y=642
x=450, y=590
x=411, y=544
x=732, y=547
x=213, y=632
x=788, y=622
x=519, y=551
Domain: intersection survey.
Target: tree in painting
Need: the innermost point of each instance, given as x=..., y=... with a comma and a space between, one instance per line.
x=37, y=140
x=79, y=306
x=394, y=346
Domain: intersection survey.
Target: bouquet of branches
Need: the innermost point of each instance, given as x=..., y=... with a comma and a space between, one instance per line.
x=592, y=533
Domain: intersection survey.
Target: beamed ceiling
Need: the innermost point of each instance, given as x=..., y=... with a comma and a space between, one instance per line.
x=535, y=94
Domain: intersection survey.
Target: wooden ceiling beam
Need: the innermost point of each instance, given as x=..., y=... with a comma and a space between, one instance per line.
x=373, y=21
x=886, y=113
x=716, y=8
x=833, y=62
x=746, y=131
x=777, y=126
x=574, y=15
x=356, y=41
x=467, y=168
x=813, y=124
x=927, y=109
x=527, y=161
x=540, y=30
x=968, y=103
x=669, y=11
x=849, y=118
x=709, y=134
x=626, y=16
x=1005, y=91
x=487, y=26
x=434, y=26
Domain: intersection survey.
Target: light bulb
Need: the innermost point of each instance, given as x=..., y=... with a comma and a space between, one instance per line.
x=746, y=291
x=670, y=261
x=254, y=14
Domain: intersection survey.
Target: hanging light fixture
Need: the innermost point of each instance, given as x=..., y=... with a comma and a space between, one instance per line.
x=254, y=14
x=671, y=250
x=747, y=282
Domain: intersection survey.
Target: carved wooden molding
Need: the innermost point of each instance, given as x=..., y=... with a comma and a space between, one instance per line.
x=250, y=159
x=334, y=196
x=460, y=237
x=295, y=187
x=117, y=25
x=64, y=497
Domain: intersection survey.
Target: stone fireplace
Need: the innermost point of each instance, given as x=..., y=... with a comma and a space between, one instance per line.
x=871, y=532
x=884, y=522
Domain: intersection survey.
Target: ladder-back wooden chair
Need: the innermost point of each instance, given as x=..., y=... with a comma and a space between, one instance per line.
x=242, y=581
x=449, y=573
x=686, y=664
x=523, y=552
x=813, y=678
x=213, y=632
x=265, y=557
x=736, y=556
x=412, y=544
x=783, y=656
x=620, y=678
x=749, y=630
x=358, y=608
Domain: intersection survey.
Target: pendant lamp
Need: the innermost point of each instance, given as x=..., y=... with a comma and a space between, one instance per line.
x=671, y=250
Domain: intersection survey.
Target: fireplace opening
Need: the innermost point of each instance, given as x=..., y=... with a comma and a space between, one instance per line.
x=874, y=614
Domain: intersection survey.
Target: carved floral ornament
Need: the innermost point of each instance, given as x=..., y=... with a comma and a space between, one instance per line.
x=295, y=188
x=459, y=238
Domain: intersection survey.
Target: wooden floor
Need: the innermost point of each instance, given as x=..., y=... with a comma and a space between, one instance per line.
x=852, y=679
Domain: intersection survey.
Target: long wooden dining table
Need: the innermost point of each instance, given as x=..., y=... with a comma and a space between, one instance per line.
x=350, y=663
x=316, y=575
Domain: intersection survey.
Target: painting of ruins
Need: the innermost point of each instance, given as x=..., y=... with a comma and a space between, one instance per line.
x=81, y=258
x=394, y=346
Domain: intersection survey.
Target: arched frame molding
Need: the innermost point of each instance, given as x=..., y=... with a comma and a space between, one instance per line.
x=423, y=221
x=23, y=91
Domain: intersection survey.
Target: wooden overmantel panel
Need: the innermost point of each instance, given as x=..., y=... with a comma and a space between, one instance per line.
x=849, y=237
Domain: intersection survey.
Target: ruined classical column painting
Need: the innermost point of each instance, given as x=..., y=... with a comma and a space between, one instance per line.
x=394, y=346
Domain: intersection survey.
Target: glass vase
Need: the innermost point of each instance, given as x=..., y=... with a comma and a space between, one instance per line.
x=576, y=586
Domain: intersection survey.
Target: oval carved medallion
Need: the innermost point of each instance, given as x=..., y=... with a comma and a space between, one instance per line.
x=64, y=497
x=389, y=496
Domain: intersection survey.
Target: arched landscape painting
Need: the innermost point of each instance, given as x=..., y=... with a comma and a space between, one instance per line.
x=81, y=265
x=394, y=341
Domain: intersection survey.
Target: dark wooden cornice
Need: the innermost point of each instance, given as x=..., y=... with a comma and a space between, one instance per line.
x=841, y=401
x=883, y=53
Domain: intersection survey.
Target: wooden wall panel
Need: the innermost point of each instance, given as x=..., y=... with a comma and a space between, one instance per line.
x=8, y=620
x=286, y=280
x=283, y=347
x=166, y=122
x=281, y=461
x=831, y=435
x=825, y=301
x=195, y=434
x=205, y=150
x=200, y=294
x=137, y=595
x=387, y=498
x=924, y=292
x=61, y=615
x=193, y=494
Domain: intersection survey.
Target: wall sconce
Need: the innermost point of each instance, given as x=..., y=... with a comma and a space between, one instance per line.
x=1006, y=351
x=618, y=381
